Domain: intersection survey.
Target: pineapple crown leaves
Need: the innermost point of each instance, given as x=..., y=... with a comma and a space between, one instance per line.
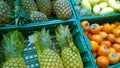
x=13, y=43
x=43, y=39
x=64, y=38
x=18, y=15
x=63, y=35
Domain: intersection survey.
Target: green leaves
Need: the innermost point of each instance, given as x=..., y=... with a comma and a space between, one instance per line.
x=43, y=39
x=62, y=34
x=13, y=43
x=19, y=16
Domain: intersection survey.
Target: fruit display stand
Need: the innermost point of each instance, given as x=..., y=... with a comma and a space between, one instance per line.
x=87, y=40
x=87, y=14
x=29, y=53
x=20, y=14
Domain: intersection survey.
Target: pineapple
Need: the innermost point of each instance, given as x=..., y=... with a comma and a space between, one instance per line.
x=10, y=3
x=13, y=43
x=53, y=1
x=36, y=16
x=70, y=54
x=4, y=9
x=2, y=58
x=48, y=57
x=45, y=6
x=62, y=9
x=28, y=5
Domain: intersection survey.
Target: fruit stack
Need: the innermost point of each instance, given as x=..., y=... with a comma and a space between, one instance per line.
x=36, y=10
x=48, y=56
x=105, y=41
x=97, y=7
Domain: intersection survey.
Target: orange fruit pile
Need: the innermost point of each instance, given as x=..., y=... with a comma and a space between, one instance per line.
x=105, y=42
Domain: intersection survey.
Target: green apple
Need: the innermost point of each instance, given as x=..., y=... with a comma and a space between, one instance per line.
x=103, y=5
x=86, y=4
x=114, y=4
x=96, y=9
x=107, y=10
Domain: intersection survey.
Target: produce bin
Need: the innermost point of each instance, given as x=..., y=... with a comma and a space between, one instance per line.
x=22, y=16
x=87, y=41
x=29, y=53
x=34, y=24
x=92, y=16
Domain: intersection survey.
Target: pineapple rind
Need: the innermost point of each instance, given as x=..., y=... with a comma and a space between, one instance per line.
x=62, y=9
x=36, y=16
x=70, y=54
x=28, y=5
x=13, y=43
x=45, y=6
x=47, y=56
x=4, y=9
x=50, y=59
x=10, y=3
x=14, y=63
x=71, y=59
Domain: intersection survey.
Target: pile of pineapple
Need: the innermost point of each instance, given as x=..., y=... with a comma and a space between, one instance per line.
x=48, y=56
x=39, y=10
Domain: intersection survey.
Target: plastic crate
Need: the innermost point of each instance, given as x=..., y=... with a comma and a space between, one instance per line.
x=77, y=39
x=52, y=18
x=114, y=15
x=87, y=41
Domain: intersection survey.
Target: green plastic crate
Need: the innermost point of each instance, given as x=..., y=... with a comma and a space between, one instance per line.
x=52, y=18
x=114, y=15
x=87, y=42
x=77, y=39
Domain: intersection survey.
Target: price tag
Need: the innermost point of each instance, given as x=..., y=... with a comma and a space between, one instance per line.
x=31, y=38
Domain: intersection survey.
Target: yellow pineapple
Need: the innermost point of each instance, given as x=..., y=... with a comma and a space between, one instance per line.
x=4, y=9
x=28, y=5
x=44, y=6
x=62, y=9
x=70, y=54
x=47, y=56
x=13, y=43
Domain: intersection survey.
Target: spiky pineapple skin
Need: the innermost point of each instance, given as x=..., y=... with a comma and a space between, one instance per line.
x=14, y=63
x=50, y=59
x=62, y=9
x=10, y=3
x=4, y=9
x=2, y=58
x=13, y=43
x=71, y=59
x=70, y=54
x=36, y=16
x=28, y=5
x=45, y=6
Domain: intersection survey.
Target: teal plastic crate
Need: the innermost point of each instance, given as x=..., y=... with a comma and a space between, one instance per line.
x=87, y=42
x=52, y=18
x=77, y=39
x=114, y=15
x=90, y=48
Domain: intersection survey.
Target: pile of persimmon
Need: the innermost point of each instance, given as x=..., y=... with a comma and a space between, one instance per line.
x=105, y=42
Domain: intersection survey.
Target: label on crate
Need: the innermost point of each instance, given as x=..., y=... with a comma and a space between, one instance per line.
x=31, y=38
